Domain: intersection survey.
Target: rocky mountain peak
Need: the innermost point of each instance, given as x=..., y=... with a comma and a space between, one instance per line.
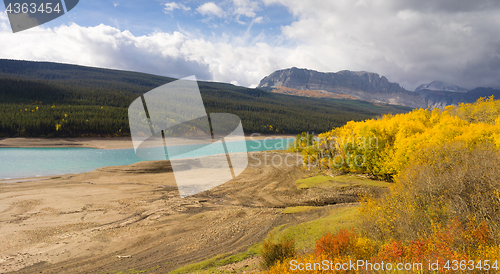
x=361, y=85
x=368, y=86
x=440, y=86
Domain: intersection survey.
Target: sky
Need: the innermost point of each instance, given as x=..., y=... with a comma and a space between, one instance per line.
x=411, y=42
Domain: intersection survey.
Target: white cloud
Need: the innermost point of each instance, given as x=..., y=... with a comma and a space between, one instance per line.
x=246, y=8
x=210, y=9
x=244, y=65
x=410, y=42
x=115, y=22
x=105, y=46
x=170, y=7
x=222, y=59
x=4, y=22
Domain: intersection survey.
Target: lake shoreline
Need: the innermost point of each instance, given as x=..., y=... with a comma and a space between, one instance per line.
x=122, y=217
x=96, y=142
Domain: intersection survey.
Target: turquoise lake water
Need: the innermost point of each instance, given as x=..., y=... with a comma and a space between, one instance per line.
x=37, y=162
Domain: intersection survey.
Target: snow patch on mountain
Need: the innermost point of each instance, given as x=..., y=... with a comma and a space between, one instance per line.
x=440, y=86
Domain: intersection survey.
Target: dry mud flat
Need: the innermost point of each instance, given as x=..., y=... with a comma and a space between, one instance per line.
x=101, y=142
x=117, y=218
x=96, y=142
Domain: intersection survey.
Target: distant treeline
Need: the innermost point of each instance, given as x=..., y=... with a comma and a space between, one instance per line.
x=57, y=100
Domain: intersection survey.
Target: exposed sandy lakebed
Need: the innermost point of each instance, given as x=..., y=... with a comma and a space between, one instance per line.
x=98, y=142
x=117, y=218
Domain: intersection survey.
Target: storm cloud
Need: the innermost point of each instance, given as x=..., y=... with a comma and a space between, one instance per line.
x=409, y=42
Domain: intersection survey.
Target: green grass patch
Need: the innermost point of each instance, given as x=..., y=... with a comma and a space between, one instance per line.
x=313, y=181
x=306, y=234
x=298, y=209
x=323, y=181
x=211, y=265
x=207, y=266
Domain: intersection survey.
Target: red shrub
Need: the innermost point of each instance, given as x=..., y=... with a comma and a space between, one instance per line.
x=340, y=244
x=392, y=252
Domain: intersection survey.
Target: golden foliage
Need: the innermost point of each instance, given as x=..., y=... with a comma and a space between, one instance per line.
x=383, y=147
x=445, y=202
x=442, y=183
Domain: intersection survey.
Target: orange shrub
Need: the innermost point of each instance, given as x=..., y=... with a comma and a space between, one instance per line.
x=447, y=243
x=338, y=245
x=273, y=253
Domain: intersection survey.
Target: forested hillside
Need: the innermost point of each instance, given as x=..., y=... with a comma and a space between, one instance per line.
x=40, y=99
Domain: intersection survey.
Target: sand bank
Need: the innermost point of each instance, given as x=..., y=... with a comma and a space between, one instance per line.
x=101, y=143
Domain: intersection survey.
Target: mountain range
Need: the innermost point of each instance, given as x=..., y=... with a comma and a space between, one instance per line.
x=370, y=87
x=46, y=99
